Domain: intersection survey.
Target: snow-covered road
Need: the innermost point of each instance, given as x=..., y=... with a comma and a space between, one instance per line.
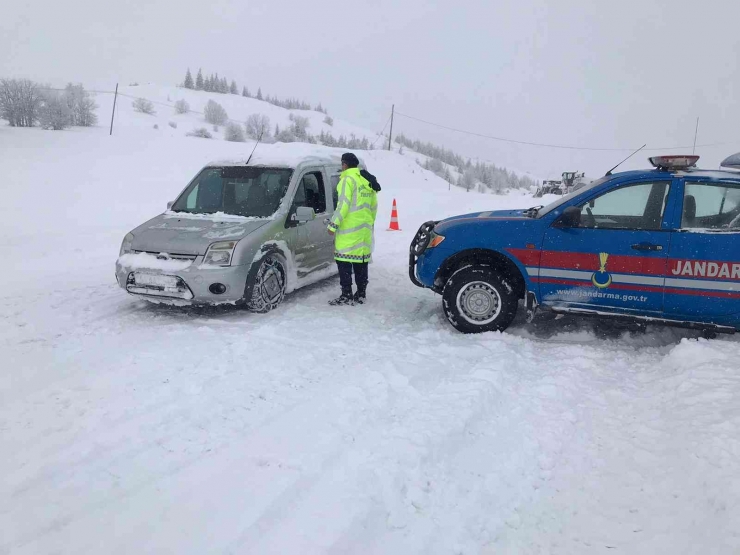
x=132, y=428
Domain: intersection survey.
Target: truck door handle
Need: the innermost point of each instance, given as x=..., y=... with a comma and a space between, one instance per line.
x=647, y=247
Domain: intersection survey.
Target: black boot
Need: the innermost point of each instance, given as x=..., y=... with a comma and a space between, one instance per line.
x=361, y=294
x=345, y=298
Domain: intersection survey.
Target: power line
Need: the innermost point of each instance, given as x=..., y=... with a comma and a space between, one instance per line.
x=547, y=145
x=380, y=135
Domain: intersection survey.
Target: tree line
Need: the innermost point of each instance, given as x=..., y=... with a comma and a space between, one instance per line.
x=214, y=83
x=484, y=177
x=25, y=103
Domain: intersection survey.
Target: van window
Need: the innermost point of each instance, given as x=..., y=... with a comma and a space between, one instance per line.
x=333, y=182
x=236, y=190
x=311, y=193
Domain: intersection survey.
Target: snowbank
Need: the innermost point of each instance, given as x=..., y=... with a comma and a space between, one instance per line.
x=132, y=428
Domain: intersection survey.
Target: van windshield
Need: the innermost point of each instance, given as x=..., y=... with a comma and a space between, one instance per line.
x=240, y=191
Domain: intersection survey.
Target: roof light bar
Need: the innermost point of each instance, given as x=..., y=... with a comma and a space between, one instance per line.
x=732, y=162
x=674, y=162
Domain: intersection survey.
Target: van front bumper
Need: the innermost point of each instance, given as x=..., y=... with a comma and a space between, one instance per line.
x=183, y=285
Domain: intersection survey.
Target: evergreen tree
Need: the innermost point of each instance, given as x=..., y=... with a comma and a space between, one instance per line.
x=233, y=89
x=277, y=130
x=199, y=81
x=224, y=86
x=189, y=80
x=245, y=92
x=259, y=96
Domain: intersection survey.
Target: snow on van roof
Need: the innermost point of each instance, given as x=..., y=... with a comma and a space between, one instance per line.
x=287, y=155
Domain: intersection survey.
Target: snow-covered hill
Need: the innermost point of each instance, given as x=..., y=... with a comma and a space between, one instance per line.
x=127, y=121
x=131, y=428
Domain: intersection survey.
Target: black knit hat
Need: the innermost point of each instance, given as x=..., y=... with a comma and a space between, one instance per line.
x=350, y=159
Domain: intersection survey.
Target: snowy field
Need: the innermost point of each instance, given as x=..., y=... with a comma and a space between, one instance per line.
x=132, y=428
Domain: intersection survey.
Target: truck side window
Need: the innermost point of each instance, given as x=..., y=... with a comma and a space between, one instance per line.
x=638, y=206
x=710, y=206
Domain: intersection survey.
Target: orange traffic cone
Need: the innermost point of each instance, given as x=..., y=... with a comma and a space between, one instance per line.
x=394, y=218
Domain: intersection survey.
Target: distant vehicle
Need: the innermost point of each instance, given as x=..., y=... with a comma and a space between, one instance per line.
x=549, y=187
x=240, y=233
x=573, y=181
x=658, y=246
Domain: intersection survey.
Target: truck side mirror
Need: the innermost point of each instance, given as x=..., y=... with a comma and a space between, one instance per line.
x=169, y=204
x=571, y=217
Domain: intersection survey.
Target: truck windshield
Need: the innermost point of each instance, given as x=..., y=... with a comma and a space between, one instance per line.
x=564, y=199
x=240, y=191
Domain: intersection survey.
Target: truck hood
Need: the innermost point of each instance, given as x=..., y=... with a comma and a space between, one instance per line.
x=191, y=234
x=487, y=215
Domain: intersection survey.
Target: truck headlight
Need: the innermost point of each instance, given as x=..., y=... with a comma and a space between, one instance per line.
x=219, y=254
x=435, y=240
x=126, y=245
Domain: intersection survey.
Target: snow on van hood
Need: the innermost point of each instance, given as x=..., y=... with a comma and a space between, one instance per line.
x=178, y=233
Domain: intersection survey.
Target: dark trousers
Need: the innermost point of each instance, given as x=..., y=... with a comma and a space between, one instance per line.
x=345, y=274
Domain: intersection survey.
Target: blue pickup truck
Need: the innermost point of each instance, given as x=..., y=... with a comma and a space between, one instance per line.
x=659, y=246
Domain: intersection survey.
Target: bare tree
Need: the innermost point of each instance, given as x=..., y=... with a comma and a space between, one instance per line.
x=182, y=107
x=234, y=133
x=20, y=101
x=215, y=113
x=82, y=105
x=258, y=125
x=300, y=126
x=144, y=106
x=55, y=113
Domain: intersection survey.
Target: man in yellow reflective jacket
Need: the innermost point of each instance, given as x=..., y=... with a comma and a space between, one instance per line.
x=352, y=226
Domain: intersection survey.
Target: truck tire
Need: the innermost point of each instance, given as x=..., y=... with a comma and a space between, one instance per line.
x=477, y=299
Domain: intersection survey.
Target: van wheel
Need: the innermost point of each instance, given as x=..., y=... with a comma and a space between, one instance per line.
x=477, y=299
x=266, y=286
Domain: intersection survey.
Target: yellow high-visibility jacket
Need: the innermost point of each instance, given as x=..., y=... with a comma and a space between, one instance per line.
x=354, y=218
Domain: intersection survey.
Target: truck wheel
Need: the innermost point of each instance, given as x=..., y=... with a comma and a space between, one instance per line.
x=477, y=299
x=265, y=288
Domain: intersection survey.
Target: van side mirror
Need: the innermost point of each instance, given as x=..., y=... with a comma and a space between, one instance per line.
x=571, y=217
x=304, y=214
x=169, y=204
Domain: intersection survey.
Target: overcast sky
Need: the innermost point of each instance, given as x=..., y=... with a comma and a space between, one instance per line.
x=581, y=73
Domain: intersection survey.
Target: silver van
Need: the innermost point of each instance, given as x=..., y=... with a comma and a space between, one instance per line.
x=242, y=232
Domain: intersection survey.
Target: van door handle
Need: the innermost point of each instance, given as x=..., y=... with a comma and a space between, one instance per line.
x=327, y=220
x=647, y=247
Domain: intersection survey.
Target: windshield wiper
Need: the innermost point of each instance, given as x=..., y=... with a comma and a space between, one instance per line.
x=532, y=212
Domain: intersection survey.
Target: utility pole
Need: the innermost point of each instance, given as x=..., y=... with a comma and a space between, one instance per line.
x=390, y=136
x=696, y=132
x=114, y=110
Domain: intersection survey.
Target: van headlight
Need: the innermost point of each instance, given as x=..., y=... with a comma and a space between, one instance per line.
x=219, y=254
x=128, y=241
